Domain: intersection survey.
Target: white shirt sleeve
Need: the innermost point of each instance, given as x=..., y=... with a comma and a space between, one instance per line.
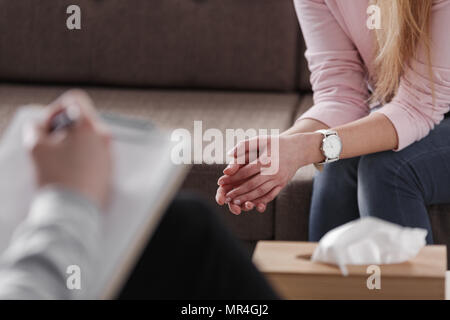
x=58, y=239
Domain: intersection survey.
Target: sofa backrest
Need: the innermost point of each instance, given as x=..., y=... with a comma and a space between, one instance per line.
x=222, y=44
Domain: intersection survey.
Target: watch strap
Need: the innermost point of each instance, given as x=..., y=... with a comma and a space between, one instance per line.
x=326, y=133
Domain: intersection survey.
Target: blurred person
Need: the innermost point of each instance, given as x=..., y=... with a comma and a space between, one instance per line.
x=73, y=174
x=190, y=256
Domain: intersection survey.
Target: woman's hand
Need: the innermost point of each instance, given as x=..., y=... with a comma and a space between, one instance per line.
x=254, y=183
x=77, y=157
x=221, y=199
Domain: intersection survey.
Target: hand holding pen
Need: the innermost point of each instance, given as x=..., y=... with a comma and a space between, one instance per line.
x=71, y=148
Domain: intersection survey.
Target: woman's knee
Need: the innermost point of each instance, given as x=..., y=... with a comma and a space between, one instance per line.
x=384, y=171
x=334, y=197
x=382, y=177
x=372, y=164
x=389, y=188
x=337, y=174
x=376, y=172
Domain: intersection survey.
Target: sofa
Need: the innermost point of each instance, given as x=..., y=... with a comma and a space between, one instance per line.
x=232, y=64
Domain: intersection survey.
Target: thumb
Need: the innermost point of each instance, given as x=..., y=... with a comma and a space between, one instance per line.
x=34, y=133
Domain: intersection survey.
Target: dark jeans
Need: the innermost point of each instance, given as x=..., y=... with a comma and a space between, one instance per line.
x=394, y=186
x=193, y=256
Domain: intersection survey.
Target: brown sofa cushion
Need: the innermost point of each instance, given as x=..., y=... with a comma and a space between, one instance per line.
x=169, y=108
x=249, y=226
x=440, y=223
x=305, y=103
x=159, y=43
x=292, y=207
x=304, y=74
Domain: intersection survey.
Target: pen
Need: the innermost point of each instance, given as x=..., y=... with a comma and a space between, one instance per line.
x=64, y=119
x=122, y=128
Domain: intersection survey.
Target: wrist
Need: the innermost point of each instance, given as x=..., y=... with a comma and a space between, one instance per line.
x=308, y=145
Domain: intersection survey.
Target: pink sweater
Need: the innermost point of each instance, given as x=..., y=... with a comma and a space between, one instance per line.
x=340, y=54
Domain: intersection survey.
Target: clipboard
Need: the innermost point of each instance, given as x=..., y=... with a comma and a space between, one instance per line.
x=144, y=182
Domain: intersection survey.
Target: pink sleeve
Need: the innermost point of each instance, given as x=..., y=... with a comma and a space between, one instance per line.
x=412, y=111
x=338, y=76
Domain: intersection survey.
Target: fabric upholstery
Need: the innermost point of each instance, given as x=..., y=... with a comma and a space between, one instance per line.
x=440, y=223
x=304, y=74
x=305, y=103
x=171, y=109
x=233, y=44
x=249, y=225
x=292, y=207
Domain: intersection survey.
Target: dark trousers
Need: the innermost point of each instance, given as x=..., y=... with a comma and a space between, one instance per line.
x=193, y=256
x=393, y=186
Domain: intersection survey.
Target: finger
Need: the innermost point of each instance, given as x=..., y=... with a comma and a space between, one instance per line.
x=269, y=196
x=34, y=134
x=232, y=168
x=79, y=102
x=39, y=132
x=221, y=198
x=222, y=181
x=221, y=195
x=260, y=191
x=261, y=207
x=234, y=209
x=247, y=186
x=247, y=206
x=51, y=112
x=244, y=173
x=81, y=98
x=264, y=200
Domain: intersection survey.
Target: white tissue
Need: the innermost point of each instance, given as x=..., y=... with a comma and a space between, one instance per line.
x=369, y=241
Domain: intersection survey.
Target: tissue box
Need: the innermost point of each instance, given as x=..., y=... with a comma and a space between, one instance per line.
x=288, y=267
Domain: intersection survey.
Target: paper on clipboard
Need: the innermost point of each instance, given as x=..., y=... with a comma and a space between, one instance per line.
x=144, y=181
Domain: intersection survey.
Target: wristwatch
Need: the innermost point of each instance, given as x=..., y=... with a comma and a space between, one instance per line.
x=331, y=146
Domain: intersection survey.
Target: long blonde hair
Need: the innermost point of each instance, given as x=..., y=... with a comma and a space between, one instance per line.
x=404, y=25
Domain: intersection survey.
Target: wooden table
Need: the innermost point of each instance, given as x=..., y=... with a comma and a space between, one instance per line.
x=288, y=267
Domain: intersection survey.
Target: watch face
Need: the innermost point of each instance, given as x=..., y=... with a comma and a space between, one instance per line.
x=332, y=147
